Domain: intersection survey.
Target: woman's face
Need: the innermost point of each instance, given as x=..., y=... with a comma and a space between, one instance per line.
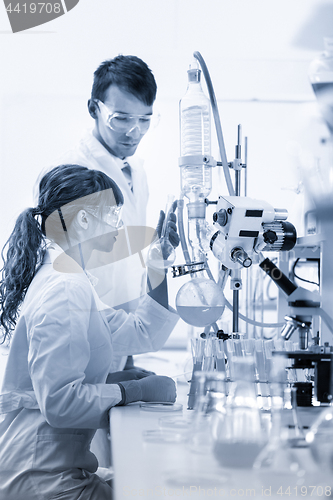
x=103, y=227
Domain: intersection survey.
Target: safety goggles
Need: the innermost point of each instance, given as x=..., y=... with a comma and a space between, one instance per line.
x=112, y=217
x=123, y=122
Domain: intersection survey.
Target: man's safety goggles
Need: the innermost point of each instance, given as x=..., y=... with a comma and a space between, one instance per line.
x=123, y=122
x=111, y=217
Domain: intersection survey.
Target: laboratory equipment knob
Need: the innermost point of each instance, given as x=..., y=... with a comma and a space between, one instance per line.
x=221, y=217
x=239, y=255
x=270, y=237
x=279, y=236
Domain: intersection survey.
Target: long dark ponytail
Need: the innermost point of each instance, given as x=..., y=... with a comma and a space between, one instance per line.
x=63, y=191
x=25, y=251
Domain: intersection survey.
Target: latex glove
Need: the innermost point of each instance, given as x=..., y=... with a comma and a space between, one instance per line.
x=131, y=366
x=155, y=388
x=141, y=372
x=131, y=374
x=172, y=226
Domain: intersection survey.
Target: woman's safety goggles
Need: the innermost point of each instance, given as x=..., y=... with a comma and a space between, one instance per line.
x=111, y=217
x=123, y=122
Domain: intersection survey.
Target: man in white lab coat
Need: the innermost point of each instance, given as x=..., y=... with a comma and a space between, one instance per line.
x=121, y=103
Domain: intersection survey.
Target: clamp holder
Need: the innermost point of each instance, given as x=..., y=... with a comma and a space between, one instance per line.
x=195, y=160
x=187, y=269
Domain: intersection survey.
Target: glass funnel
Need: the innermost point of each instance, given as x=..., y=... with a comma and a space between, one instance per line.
x=200, y=302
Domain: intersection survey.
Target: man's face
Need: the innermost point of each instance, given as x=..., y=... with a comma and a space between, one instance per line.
x=120, y=144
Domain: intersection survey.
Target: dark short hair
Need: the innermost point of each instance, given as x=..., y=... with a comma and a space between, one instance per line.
x=128, y=72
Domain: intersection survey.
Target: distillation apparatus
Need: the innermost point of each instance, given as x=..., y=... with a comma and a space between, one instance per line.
x=241, y=227
x=240, y=231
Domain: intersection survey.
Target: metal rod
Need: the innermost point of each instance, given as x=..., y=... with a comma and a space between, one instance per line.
x=239, y=142
x=238, y=157
x=235, y=299
x=248, y=274
x=245, y=173
x=235, y=310
x=237, y=182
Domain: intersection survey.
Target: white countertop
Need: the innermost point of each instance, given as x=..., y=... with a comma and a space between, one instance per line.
x=160, y=470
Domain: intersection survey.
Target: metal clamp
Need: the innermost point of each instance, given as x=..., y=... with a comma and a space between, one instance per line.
x=187, y=269
x=195, y=160
x=236, y=164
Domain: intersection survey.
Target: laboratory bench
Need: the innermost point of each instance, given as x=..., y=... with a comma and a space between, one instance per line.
x=149, y=462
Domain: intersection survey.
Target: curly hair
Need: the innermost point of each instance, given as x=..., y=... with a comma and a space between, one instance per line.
x=63, y=190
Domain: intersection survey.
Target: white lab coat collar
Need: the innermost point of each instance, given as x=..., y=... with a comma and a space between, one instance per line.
x=96, y=152
x=60, y=260
x=63, y=263
x=97, y=149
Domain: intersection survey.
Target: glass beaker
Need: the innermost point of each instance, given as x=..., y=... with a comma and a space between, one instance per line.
x=240, y=437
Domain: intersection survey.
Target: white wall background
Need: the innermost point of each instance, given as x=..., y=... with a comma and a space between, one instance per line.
x=257, y=52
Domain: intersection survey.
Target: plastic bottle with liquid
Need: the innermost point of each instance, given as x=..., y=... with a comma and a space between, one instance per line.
x=321, y=78
x=195, y=137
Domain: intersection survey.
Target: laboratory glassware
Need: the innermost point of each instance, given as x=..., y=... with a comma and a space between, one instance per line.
x=209, y=400
x=200, y=302
x=195, y=138
x=197, y=347
x=239, y=437
x=278, y=464
x=162, y=254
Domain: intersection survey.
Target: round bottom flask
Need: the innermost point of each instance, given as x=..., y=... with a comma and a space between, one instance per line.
x=200, y=302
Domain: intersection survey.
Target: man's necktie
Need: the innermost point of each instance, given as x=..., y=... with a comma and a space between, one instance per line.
x=127, y=171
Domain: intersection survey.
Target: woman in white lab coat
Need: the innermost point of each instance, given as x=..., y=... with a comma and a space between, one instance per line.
x=54, y=394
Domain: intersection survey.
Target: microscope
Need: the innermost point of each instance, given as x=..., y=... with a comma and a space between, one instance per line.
x=313, y=357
